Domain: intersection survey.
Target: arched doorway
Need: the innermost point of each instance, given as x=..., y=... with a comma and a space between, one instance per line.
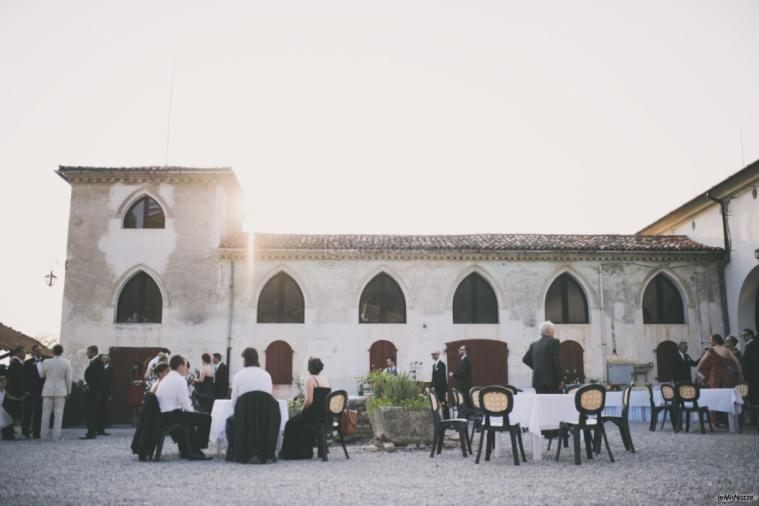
x=664, y=355
x=279, y=363
x=571, y=358
x=379, y=352
x=489, y=360
x=748, y=303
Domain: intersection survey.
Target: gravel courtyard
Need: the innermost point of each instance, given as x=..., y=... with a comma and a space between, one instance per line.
x=668, y=468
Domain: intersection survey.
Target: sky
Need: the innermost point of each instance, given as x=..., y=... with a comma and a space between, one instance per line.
x=373, y=117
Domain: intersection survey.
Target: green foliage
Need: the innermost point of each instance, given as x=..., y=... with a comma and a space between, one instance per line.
x=295, y=405
x=391, y=390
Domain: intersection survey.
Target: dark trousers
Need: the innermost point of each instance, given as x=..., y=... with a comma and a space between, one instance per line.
x=200, y=426
x=95, y=413
x=441, y=397
x=544, y=389
x=32, y=416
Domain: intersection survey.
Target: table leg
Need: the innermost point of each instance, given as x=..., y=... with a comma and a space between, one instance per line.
x=732, y=422
x=537, y=448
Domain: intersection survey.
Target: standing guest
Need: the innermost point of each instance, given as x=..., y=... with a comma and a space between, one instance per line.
x=300, y=437
x=33, y=390
x=106, y=358
x=251, y=377
x=94, y=376
x=463, y=375
x=751, y=365
x=57, y=388
x=221, y=377
x=681, y=364
x=440, y=381
x=714, y=364
x=543, y=358
x=176, y=408
x=15, y=374
x=135, y=392
x=390, y=369
x=204, y=383
x=6, y=420
x=731, y=343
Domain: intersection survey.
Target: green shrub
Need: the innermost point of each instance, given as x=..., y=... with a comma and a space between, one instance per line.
x=391, y=390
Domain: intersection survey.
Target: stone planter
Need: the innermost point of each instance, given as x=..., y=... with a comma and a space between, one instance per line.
x=394, y=424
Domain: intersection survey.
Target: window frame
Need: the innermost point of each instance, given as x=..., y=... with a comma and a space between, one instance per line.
x=146, y=199
x=658, y=282
x=564, y=280
x=386, y=281
x=141, y=277
x=473, y=318
x=281, y=279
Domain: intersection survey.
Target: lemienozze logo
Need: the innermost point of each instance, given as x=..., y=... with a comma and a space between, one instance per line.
x=726, y=498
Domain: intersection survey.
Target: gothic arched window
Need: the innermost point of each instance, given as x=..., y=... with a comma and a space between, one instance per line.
x=145, y=213
x=662, y=302
x=474, y=301
x=382, y=301
x=281, y=301
x=566, y=302
x=140, y=301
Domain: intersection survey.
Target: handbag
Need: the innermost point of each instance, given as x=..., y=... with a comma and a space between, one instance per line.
x=348, y=422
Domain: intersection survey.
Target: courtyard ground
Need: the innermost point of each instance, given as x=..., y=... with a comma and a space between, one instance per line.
x=667, y=469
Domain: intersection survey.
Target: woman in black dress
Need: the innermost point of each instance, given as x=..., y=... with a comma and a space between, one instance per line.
x=300, y=434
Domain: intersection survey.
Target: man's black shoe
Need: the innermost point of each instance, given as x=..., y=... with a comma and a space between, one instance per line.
x=88, y=436
x=104, y=433
x=199, y=455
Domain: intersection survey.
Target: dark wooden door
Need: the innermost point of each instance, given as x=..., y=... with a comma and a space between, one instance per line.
x=122, y=359
x=489, y=359
x=665, y=353
x=379, y=352
x=572, y=365
x=279, y=363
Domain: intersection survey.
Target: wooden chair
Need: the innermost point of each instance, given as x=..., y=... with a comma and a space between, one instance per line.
x=443, y=424
x=689, y=393
x=334, y=405
x=622, y=422
x=498, y=401
x=589, y=402
x=669, y=406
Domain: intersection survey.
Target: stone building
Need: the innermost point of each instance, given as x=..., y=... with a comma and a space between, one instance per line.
x=157, y=258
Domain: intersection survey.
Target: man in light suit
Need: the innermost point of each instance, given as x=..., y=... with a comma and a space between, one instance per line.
x=57, y=388
x=543, y=358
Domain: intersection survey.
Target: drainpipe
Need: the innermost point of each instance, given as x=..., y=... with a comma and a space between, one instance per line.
x=602, y=309
x=724, y=261
x=231, y=307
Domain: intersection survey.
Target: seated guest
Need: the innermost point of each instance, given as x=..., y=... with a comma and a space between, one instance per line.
x=176, y=408
x=204, y=383
x=251, y=377
x=300, y=435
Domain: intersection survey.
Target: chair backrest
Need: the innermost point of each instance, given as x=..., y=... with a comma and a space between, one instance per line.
x=474, y=394
x=453, y=396
x=667, y=392
x=590, y=399
x=626, y=401
x=687, y=391
x=742, y=390
x=336, y=402
x=496, y=401
x=437, y=409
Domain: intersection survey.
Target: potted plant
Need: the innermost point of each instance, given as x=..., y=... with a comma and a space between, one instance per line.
x=398, y=411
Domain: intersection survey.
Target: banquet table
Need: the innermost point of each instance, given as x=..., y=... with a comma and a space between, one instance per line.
x=223, y=409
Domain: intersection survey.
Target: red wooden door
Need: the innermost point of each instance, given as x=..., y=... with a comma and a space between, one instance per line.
x=572, y=365
x=279, y=363
x=379, y=352
x=665, y=352
x=122, y=359
x=489, y=359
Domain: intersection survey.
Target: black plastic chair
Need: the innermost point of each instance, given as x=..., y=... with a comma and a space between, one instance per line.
x=475, y=416
x=334, y=405
x=689, y=393
x=589, y=402
x=742, y=390
x=457, y=402
x=498, y=401
x=622, y=422
x=441, y=424
x=669, y=406
x=175, y=430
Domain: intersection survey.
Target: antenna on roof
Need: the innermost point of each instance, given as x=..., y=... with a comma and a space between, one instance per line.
x=168, y=125
x=743, y=156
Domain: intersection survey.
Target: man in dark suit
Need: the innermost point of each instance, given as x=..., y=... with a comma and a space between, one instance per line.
x=94, y=376
x=543, y=358
x=463, y=375
x=16, y=388
x=440, y=381
x=33, y=389
x=106, y=358
x=751, y=365
x=221, y=377
x=681, y=364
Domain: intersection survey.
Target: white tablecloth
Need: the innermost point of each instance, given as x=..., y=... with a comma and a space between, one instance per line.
x=223, y=409
x=716, y=399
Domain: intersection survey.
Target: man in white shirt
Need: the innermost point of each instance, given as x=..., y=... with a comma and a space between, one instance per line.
x=56, y=373
x=251, y=377
x=176, y=408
